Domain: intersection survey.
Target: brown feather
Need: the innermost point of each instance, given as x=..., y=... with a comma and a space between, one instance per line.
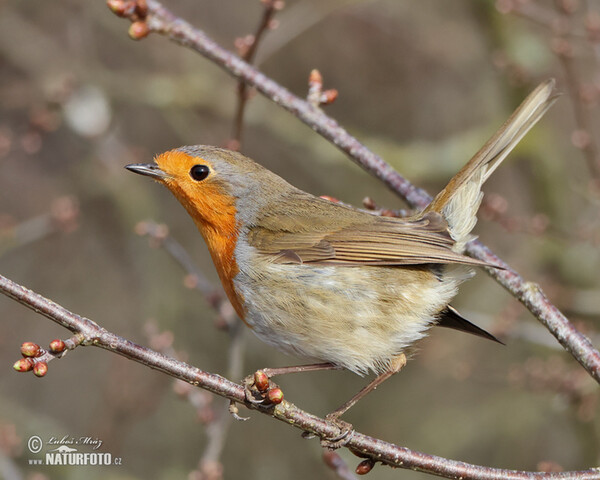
x=501, y=143
x=342, y=235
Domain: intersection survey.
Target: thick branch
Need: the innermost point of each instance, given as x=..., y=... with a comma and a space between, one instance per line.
x=378, y=450
x=163, y=21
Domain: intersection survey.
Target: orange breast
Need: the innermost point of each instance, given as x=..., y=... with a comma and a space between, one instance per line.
x=222, y=250
x=214, y=213
x=218, y=226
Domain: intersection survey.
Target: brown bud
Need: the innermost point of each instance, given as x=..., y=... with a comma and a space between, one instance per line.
x=23, y=365
x=138, y=30
x=275, y=396
x=315, y=78
x=40, y=369
x=141, y=8
x=57, y=346
x=30, y=349
x=121, y=8
x=261, y=381
x=369, y=203
x=328, y=96
x=365, y=467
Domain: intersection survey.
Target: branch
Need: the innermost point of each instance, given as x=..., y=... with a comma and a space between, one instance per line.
x=160, y=20
x=159, y=236
x=216, y=429
x=93, y=334
x=247, y=49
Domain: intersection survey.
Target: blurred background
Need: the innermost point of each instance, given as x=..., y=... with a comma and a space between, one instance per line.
x=423, y=87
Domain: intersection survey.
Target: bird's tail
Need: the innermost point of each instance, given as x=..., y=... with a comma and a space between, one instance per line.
x=459, y=201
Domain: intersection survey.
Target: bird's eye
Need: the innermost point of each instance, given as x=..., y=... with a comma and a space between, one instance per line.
x=199, y=172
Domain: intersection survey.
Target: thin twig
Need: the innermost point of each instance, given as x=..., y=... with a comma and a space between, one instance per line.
x=162, y=21
x=582, y=138
x=248, y=53
x=380, y=451
x=216, y=430
x=336, y=463
x=214, y=296
x=62, y=217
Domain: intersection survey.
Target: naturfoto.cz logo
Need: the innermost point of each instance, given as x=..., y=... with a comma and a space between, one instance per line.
x=64, y=451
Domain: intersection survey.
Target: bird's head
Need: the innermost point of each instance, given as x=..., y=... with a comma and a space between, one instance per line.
x=217, y=187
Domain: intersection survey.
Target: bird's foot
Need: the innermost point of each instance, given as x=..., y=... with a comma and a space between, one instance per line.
x=340, y=440
x=260, y=390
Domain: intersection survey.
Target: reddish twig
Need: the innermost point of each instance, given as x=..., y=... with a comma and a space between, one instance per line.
x=214, y=296
x=364, y=445
x=316, y=95
x=561, y=23
x=336, y=463
x=247, y=47
x=62, y=217
x=582, y=138
x=161, y=20
x=216, y=429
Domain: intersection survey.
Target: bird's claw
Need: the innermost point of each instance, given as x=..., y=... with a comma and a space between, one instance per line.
x=346, y=433
x=234, y=411
x=260, y=390
x=253, y=395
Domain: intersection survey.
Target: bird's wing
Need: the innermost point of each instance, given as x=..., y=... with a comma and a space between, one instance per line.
x=360, y=239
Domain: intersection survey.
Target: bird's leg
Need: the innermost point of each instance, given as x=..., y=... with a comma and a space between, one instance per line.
x=258, y=385
x=313, y=367
x=396, y=365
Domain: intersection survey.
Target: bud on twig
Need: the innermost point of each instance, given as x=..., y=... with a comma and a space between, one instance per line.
x=365, y=466
x=138, y=30
x=40, y=369
x=121, y=8
x=316, y=96
x=261, y=381
x=141, y=8
x=24, y=364
x=57, y=346
x=328, y=96
x=275, y=396
x=30, y=349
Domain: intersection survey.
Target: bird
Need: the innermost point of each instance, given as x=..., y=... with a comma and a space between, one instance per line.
x=326, y=281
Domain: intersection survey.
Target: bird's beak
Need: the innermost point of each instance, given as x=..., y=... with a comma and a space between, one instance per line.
x=148, y=169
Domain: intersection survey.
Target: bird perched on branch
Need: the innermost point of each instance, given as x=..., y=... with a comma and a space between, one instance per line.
x=326, y=281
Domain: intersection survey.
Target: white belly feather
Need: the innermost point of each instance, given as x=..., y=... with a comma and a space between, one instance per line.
x=335, y=314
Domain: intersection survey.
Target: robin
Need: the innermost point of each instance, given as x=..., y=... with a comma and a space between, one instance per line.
x=329, y=282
